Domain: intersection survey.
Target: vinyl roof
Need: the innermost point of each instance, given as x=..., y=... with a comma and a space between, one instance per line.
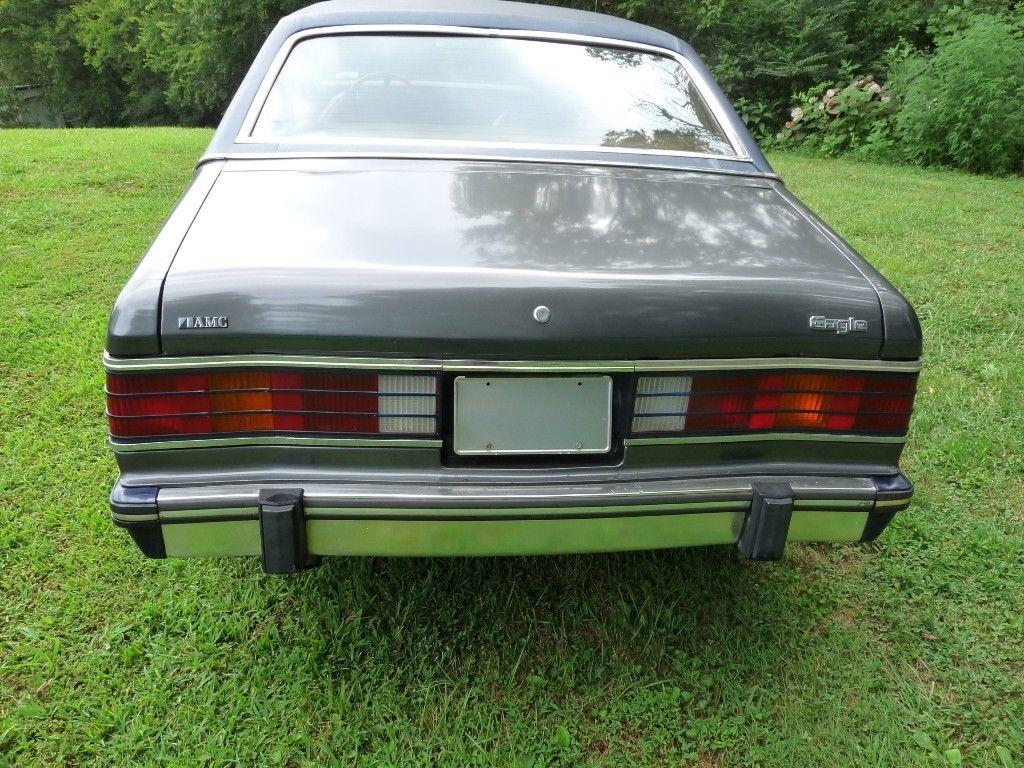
x=493, y=14
x=479, y=14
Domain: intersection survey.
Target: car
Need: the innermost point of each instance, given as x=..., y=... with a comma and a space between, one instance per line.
x=483, y=278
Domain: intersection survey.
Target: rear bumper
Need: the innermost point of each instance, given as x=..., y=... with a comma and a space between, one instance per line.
x=397, y=519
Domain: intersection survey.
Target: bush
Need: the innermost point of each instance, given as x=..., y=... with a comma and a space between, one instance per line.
x=964, y=106
x=764, y=51
x=108, y=62
x=759, y=117
x=857, y=117
x=124, y=62
x=10, y=109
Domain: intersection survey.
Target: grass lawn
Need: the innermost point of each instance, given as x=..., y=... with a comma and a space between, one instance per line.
x=909, y=651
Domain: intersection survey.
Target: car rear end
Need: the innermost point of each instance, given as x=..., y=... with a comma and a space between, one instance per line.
x=382, y=456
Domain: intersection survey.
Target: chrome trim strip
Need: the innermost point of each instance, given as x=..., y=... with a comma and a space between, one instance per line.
x=435, y=497
x=702, y=85
x=497, y=513
x=762, y=363
x=905, y=501
x=276, y=440
x=386, y=442
x=753, y=438
x=511, y=366
x=133, y=518
x=197, y=514
x=469, y=145
x=477, y=157
x=508, y=495
x=278, y=361
x=611, y=509
x=539, y=366
x=834, y=505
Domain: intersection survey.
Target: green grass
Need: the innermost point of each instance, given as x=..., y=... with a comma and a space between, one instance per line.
x=906, y=652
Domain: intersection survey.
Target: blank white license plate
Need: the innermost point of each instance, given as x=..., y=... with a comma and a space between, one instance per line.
x=532, y=415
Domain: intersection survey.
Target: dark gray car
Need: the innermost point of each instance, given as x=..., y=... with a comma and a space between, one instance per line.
x=460, y=278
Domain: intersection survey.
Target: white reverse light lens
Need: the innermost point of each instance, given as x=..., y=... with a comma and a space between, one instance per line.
x=661, y=403
x=407, y=404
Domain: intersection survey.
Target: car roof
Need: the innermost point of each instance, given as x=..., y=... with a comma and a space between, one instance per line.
x=506, y=17
x=492, y=14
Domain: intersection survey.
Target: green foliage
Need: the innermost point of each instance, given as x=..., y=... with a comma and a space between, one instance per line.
x=964, y=106
x=764, y=51
x=39, y=47
x=179, y=61
x=132, y=62
x=952, y=17
x=961, y=105
x=202, y=48
x=831, y=121
x=117, y=62
x=758, y=116
x=10, y=107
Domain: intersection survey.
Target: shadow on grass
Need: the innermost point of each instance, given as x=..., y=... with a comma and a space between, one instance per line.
x=633, y=616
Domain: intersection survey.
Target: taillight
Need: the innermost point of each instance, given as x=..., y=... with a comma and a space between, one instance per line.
x=215, y=402
x=783, y=401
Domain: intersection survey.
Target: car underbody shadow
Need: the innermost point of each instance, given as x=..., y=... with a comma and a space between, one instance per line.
x=583, y=617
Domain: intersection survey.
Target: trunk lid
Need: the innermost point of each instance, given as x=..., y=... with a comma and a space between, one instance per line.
x=448, y=258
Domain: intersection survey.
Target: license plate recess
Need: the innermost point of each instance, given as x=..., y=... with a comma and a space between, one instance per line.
x=532, y=415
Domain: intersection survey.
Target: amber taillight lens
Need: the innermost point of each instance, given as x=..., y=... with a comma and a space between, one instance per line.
x=214, y=402
x=781, y=401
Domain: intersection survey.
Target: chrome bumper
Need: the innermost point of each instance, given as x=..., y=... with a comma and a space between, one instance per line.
x=396, y=519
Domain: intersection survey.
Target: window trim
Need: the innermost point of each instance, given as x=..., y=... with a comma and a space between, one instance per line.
x=701, y=83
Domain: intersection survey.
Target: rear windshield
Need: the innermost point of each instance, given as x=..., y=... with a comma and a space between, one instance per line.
x=437, y=88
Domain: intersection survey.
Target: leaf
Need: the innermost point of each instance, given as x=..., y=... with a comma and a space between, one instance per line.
x=953, y=757
x=561, y=737
x=924, y=741
x=1004, y=756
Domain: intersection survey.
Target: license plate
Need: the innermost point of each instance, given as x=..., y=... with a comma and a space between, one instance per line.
x=532, y=415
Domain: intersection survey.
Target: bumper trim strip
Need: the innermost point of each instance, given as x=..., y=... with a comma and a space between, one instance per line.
x=219, y=514
x=527, y=513
x=892, y=503
x=812, y=490
x=118, y=518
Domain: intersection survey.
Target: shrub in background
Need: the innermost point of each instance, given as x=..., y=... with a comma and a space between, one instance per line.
x=126, y=62
x=10, y=108
x=759, y=116
x=131, y=62
x=857, y=117
x=964, y=106
x=117, y=62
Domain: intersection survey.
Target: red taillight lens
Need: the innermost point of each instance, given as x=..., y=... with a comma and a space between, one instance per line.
x=207, y=403
x=783, y=401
